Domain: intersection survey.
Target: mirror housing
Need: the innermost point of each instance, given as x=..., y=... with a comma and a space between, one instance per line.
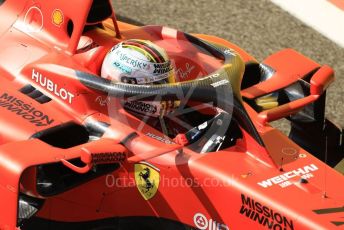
x=103, y=151
x=318, y=84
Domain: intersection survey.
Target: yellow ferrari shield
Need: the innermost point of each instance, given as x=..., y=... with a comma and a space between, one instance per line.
x=147, y=178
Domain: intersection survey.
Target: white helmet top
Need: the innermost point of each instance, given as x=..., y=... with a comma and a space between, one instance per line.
x=137, y=62
x=140, y=62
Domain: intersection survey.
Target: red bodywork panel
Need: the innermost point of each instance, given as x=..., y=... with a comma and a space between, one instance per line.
x=248, y=185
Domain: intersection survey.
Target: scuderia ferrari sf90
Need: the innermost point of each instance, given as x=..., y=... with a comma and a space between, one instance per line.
x=106, y=125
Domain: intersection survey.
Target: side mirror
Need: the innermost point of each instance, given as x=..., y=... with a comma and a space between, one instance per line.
x=321, y=80
x=318, y=84
x=103, y=151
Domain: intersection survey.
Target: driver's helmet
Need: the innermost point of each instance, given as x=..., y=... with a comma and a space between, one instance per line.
x=137, y=61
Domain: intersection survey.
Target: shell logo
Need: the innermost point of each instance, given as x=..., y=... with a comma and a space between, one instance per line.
x=57, y=17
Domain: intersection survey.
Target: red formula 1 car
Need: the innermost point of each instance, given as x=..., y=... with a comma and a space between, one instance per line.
x=72, y=157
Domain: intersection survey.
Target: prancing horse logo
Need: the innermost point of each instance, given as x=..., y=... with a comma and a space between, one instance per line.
x=145, y=176
x=147, y=180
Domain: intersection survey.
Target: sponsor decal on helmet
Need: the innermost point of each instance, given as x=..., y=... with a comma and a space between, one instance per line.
x=52, y=87
x=126, y=59
x=147, y=179
x=203, y=223
x=142, y=80
x=160, y=77
x=283, y=179
x=162, y=70
x=164, y=65
x=133, y=62
x=130, y=80
x=24, y=110
x=57, y=17
x=264, y=215
x=123, y=68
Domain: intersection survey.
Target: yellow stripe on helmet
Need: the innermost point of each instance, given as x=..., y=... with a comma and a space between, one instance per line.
x=144, y=52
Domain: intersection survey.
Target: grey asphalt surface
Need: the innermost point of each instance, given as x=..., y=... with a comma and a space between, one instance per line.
x=258, y=26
